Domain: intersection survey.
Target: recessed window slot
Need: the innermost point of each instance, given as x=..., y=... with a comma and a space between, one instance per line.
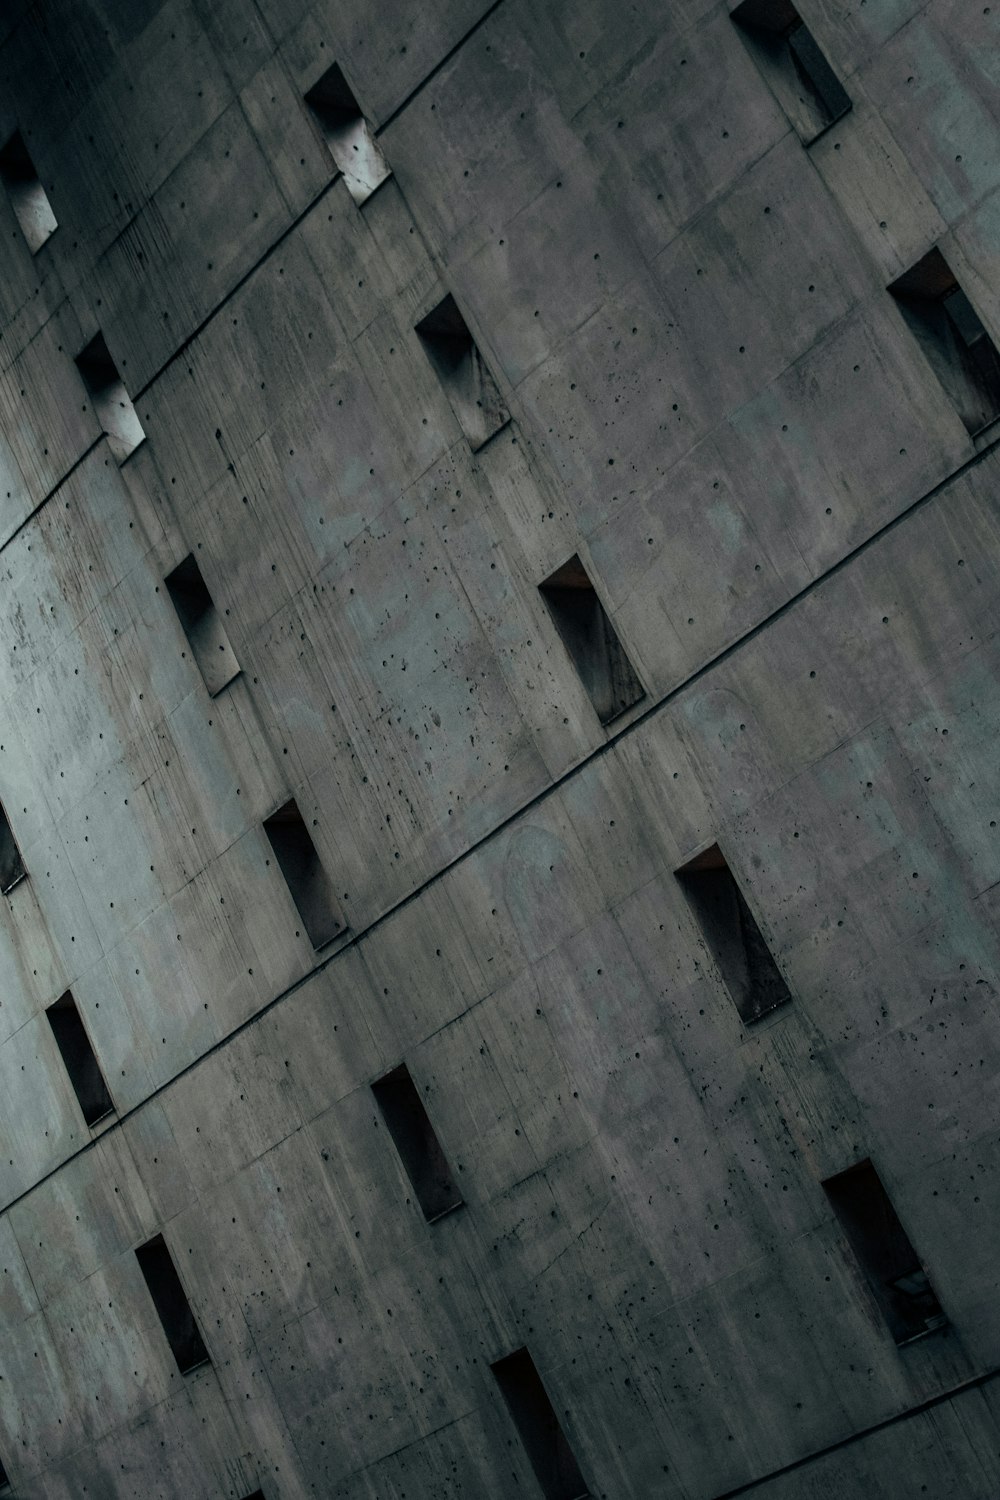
x=307, y=881
x=591, y=641
x=793, y=64
x=27, y=196
x=110, y=399
x=733, y=938
x=952, y=336
x=544, y=1441
x=414, y=1138
x=459, y=366
x=891, y=1266
x=12, y=869
x=349, y=138
x=203, y=626
x=79, y=1059
x=172, y=1306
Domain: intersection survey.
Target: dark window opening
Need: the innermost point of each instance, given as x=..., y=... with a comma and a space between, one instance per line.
x=414, y=1139
x=349, y=138
x=202, y=624
x=172, y=1306
x=79, y=1059
x=4, y=1478
x=111, y=402
x=307, y=881
x=459, y=366
x=734, y=940
x=891, y=1266
x=590, y=639
x=11, y=865
x=952, y=337
x=544, y=1441
x=27, y=196
x=257, y=1495
x=806, y=85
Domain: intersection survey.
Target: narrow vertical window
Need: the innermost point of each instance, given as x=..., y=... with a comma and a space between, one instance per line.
x=952, y=337
x=891, y=1265
x=734, y=940
x=11, y=865
x=172, y=1306
x=544, y=1441
x=414, y=1139
x=459, y=366
x=307, y=881
x=202, y=624
x=27, y=196
x=590, y=639
x=349, y=137
x=111, y=401
x=787, y=54
x=79, y=1059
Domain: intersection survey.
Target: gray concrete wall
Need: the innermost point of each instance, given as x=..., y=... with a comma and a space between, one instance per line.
x=718, y=406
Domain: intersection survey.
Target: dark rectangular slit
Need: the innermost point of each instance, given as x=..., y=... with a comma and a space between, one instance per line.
x=543, y=1439
x=172, y=1306
x=79, y=1059
x=459, y=366
x=952, y=336
x=416, y=1143
x=11, y=864
x=890, y=1264
x=307, y=881
x=348, y=136
x=28, y=199
x=4, y=1478
x=112, y=404
x=734, y=940
x=793, y=63
x=202, y=624
x=591, y=641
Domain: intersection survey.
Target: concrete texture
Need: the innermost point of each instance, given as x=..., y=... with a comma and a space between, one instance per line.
x=716, y=406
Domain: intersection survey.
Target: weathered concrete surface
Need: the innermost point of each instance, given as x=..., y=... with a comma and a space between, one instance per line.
x=718, y=407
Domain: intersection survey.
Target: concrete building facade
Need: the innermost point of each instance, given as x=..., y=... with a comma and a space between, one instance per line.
x=499, y=602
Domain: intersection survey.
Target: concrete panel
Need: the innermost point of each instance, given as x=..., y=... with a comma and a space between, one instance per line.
x=170, y=245
x=665, y=167
x=933, y=82
x=717, y=407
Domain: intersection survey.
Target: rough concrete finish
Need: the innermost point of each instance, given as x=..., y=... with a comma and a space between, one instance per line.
x=716, y=406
